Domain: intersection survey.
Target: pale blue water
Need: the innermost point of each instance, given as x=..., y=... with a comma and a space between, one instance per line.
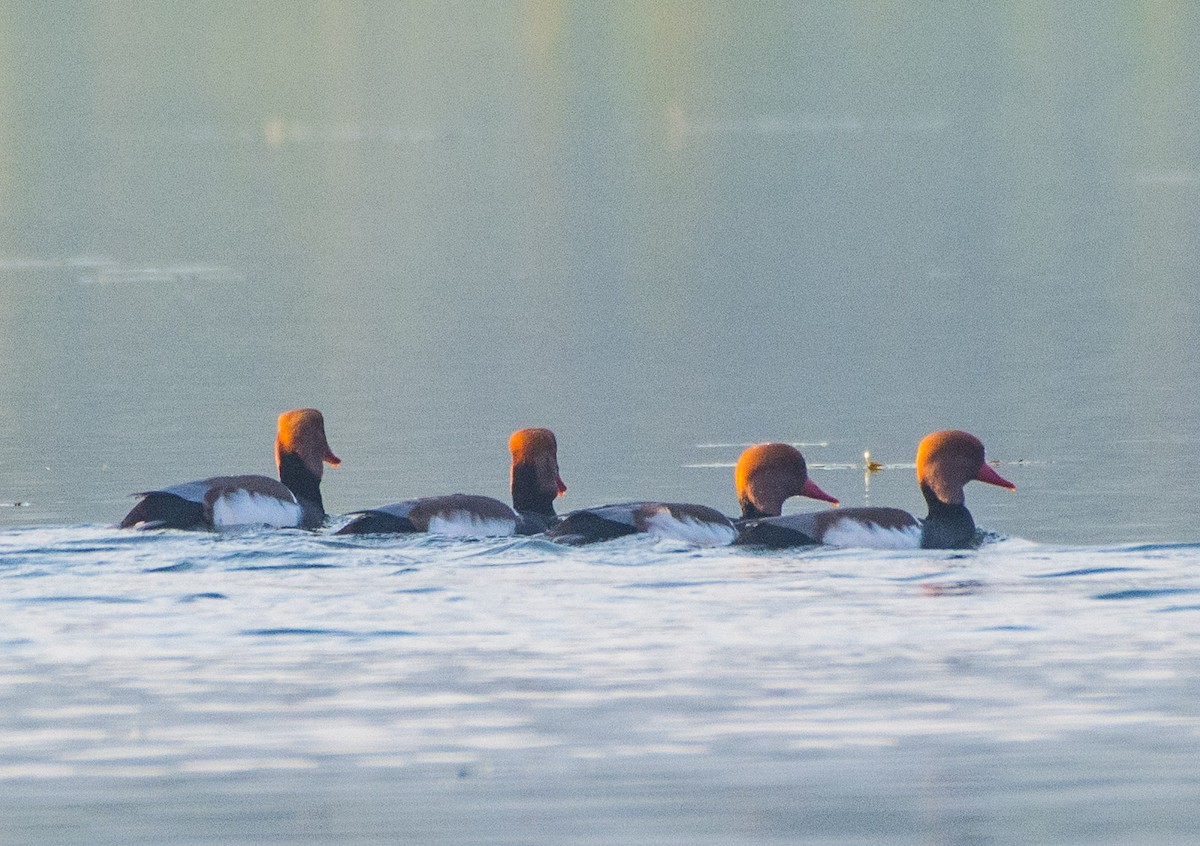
x=664, y=230
x=283, y=687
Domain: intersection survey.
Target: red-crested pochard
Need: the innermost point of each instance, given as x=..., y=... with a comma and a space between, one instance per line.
x=765, y=476
x=535, y=484
x=946, y=461
x=301, y=451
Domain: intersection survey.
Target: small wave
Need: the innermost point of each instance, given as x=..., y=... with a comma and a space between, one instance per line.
x=299, y=565
x=251, y=553
x=181, y=567
x=105, y=600
x=669, y=585
x=538, y=544
x=1086, y=571
x=346, y=541
x=1154, y=547
x=82, y=549
x=195, y=597
x=308, y=632
x=485, y=547
x=23, y=574
x=414, y=542
x=1145, y=593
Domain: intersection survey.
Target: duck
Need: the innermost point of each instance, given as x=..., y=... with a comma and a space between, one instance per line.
x=765, y=475
x=946, y=461
x=222, y=502
x=535, y=483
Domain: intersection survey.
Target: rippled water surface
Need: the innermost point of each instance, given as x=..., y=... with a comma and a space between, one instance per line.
x=665, y=230
x=162, y=687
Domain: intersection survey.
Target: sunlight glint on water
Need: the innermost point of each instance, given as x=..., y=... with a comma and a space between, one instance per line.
x=276, y=656
x=666, y=230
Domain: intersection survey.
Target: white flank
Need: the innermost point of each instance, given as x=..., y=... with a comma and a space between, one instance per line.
x=689, y=530
x=463, y=524
x=243, y=508
x=853, y=533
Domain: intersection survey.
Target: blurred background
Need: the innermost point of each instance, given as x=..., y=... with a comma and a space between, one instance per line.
x=664, y=229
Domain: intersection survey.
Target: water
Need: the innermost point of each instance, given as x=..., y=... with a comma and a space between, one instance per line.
x=294, y=688
x=664, y=230
x=647, y=226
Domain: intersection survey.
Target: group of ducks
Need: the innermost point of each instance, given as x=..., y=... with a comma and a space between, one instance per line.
x=765, y=476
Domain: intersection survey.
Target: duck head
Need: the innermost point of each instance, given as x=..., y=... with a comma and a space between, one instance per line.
x=947, y=460
x=535, y=479
x=302, y=435
x=767, y=474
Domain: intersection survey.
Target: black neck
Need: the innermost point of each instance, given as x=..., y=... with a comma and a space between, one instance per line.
x=948, y=526
x=750, y=511
x=301, y=481
x=527, y=495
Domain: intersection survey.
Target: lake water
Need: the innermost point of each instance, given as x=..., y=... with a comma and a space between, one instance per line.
x=664, y=230
x=281, y=687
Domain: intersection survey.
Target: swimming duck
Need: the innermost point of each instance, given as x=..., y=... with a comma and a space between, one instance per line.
x=301, y=451
x=535, y=483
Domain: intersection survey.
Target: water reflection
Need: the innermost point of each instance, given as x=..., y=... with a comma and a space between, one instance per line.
x=645, y=226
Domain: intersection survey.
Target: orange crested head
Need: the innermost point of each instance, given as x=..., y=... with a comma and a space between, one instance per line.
x=767, y=474
x=302, y=433
x=948, y=459
x=535, y=478
x=526, y=443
